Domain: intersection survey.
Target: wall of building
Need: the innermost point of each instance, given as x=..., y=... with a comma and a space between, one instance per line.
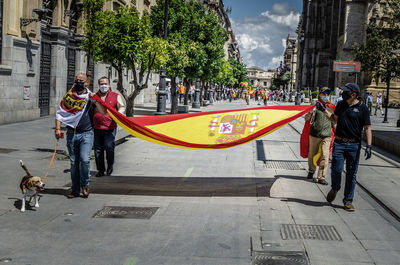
x=20, y=66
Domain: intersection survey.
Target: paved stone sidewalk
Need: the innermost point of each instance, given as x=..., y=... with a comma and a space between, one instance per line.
x=210, y=204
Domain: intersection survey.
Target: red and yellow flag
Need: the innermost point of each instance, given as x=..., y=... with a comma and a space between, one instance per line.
x=208, y=130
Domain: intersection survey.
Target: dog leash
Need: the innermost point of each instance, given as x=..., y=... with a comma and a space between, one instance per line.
x=51, y=161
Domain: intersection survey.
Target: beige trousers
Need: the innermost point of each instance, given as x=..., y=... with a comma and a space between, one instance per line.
x=324, y=160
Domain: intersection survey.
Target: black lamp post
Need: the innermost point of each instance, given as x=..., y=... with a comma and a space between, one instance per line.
x=162, y=94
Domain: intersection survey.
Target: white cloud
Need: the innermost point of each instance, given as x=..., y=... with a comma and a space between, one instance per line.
x=291, y=20
x=261, y=38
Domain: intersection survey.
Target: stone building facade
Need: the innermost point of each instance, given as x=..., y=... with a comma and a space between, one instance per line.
x=327, y=31
x=231, y=47
x=40, y=55
x=259, y=78
x=290, y=60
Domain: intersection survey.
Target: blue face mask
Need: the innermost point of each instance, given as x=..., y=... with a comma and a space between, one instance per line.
x=325, y=98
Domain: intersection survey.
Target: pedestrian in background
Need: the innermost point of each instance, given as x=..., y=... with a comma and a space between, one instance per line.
x=320, y=137
x=379, y=103
x=105, y=128
x=369, y=103
x=76, y=112
x=351, y=117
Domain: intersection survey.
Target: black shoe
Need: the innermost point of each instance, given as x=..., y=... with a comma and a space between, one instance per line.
x=99, y=174
x=331, y=196
x=109, y=170
x=310, y=175
x=322, y=181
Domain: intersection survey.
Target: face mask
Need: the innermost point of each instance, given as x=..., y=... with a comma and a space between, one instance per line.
x=79, y=86
x=104, y=88
x=346, y=95
x=325, y=98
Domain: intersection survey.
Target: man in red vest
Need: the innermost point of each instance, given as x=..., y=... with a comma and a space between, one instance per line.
x=105, y=128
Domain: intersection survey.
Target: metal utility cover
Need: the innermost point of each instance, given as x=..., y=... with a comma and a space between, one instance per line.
x=279, y=258
x=126, y=212
x=279, y=164
x=315, y=232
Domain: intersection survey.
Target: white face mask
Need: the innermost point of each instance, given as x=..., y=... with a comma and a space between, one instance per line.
x=104, y=88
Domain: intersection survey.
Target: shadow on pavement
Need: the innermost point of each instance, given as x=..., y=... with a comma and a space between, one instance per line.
x=18, y=204
x=310, y=203
x=173, y=186
x=303, y=178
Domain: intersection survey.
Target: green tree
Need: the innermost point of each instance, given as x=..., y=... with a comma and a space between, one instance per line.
x=239, y=71
x=92, y=10
x=125, y=40
x=376, y=53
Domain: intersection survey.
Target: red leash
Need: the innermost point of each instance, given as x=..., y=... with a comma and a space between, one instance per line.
x=52, y=159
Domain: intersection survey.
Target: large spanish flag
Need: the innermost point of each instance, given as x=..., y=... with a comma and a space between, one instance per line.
x=208, y=130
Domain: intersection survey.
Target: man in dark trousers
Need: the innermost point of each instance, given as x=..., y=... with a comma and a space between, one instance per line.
x=351, y=117
x=105, y=128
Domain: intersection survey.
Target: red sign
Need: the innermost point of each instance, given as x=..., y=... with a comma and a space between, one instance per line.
x=346, y=66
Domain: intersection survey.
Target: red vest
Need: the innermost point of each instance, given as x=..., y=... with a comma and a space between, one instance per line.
x=105, y=122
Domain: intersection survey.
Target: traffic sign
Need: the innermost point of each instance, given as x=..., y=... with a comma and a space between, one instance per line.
x=346, y=66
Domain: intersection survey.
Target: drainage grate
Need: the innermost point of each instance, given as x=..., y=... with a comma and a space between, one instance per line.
x=282, y=164
x=7, y=150
x=316, y=232
x=126, y=212
x=279, y=258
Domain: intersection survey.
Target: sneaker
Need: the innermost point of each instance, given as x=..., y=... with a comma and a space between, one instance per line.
x=322, y=181
x=310, y=175
x=99, y=174
x=331, y=195
x=348, y=206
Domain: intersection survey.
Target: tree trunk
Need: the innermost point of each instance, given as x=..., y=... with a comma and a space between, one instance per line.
x=174, y=97
x=186, y=83
x=201, y=93
x=129, y=107
x=130, y=111
x=120, y=86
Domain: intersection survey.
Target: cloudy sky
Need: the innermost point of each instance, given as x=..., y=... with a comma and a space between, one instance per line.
x=261, y=28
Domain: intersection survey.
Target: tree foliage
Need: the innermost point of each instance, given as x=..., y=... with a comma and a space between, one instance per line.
x=383, y=37
x=125, y=40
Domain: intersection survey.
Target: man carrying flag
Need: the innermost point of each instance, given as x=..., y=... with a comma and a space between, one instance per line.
x=320, y=137
x=76, y=112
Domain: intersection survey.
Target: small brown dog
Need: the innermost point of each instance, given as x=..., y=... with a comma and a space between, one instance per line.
x=30, y=186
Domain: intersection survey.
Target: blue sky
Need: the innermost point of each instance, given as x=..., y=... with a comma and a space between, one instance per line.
x=261, y=28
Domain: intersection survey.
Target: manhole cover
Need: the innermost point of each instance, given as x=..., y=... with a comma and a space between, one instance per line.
x=316, y=232
x=281, y=164
x=279, y=258
x=126, y=212
x=7, y=150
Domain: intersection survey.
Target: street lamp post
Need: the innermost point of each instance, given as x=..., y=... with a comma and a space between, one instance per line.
x=162, y=93
x=196, y=101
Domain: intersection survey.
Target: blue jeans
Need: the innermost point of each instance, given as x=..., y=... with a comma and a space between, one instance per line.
x=349, y=152
x=104, y=140
x=79, y=147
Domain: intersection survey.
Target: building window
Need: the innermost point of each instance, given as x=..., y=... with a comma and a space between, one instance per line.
x=133, y=2
x=265, y=83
